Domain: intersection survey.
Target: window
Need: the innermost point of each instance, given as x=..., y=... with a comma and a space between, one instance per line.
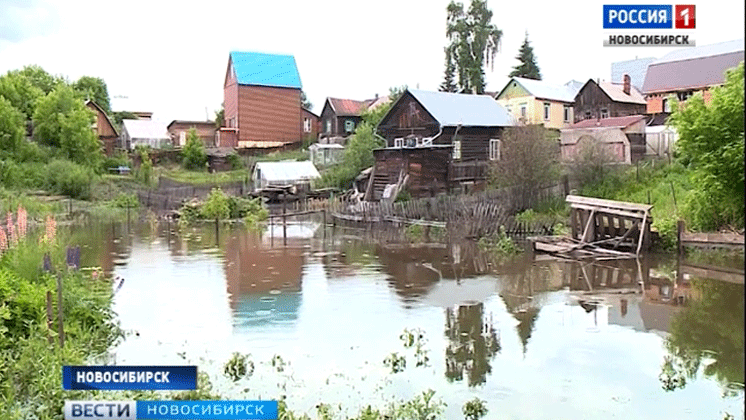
x=523, y=110
x=349, y=126
x=587, y=115
x=494, y=149
x=666, y=105
x=182, y=138
x=567, y=114
x=307, y=125
x=604, y=113
x=328, y=126
x=683, y=96
x=456, y=149
x=547, y=106
x=399, y=142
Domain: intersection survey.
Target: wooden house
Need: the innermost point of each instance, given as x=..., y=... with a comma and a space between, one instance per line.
x=599, y=100
x=438, y=141
x=178, y=129
x=103, y=128
x=539, y=102
x=340, y=117
x=310, y=124
x=622, y=139
x=684, y=72
x=262, y=99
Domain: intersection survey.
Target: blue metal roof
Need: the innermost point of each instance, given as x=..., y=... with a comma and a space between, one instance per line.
x=263, y=69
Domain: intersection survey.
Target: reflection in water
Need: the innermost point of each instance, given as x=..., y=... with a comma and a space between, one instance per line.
x=708, y=334
x=508, y=326
x=472, y=343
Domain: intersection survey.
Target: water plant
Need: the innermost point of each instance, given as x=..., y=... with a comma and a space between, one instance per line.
x=475, y=409
x=238, y=367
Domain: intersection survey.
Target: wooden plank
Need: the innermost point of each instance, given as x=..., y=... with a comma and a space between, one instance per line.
x=598, y=202
x=712, y=238
x=609, y=210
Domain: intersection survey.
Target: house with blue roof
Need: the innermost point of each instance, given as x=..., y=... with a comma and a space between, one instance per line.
x=262, y=100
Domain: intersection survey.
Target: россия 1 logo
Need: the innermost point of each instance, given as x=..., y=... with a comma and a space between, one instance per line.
x=649, y=16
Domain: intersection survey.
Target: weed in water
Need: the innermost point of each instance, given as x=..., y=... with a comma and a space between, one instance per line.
x=474, y=409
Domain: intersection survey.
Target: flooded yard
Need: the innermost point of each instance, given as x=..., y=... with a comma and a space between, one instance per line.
x=345, y=318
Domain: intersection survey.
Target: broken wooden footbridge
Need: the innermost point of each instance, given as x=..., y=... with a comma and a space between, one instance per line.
x=601, y=229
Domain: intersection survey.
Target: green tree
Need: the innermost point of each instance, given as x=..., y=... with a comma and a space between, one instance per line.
x=220, y=117
x=474, y=42
x=193, y=154
x=95, y=89
x=527, y=67
x=217, y=206
x=11, y=127
x=118, y=116
x=40, y=78
x=449, y=84
x=21, y=93
x=304, y=102
x=62, y=120
x=711, y=143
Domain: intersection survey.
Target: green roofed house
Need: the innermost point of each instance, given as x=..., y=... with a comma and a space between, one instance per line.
x=262, y=100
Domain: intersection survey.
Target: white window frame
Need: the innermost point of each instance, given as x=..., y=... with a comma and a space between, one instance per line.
x=494, y=149
x=604, y=113
x=567, y=114
x=328, y=126
x=306, y=125
x=456, y=149
x=399, y=142
x=547, y=111
x=349, y=126
x=524, y=109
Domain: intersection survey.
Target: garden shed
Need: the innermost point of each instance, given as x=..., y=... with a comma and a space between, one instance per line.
x=326, y=154
x=268, y=174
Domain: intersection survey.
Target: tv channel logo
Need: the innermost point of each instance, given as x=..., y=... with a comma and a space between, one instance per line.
x=649, y=16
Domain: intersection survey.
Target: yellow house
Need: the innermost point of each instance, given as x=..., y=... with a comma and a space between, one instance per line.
x=538, y=102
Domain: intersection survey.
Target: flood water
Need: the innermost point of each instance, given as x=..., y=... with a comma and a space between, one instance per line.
x=535, y=339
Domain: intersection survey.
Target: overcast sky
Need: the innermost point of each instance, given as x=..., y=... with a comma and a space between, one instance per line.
x=170, y=58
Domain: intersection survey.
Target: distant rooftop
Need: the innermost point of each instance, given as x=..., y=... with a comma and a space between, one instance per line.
x=253, y=68
x=703, y=51
x=544, y=90
x=636, y=69
x=146, y=129
x=618, y=122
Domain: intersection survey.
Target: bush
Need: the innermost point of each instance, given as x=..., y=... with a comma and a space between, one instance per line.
x=235, y=161
x=193, y=154
x=68, y=178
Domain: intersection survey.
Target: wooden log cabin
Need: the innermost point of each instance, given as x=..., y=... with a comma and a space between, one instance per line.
x=438, y=142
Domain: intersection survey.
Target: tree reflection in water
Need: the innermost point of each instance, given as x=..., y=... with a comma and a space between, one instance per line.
x=472, y=344
x=707, y=334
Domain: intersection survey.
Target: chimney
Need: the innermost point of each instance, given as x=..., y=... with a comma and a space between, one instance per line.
x=627, y=82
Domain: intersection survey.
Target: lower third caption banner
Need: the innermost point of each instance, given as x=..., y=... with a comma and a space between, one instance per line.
x=167, y=410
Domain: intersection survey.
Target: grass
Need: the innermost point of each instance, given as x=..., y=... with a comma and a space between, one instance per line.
x=179, y=174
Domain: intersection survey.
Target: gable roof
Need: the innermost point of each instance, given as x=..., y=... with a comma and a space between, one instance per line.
x=543, y=90
x=145, y=129
x=696, y=67
x=618, y=122
x=348, y=107
x=253, y=68
x=453, y=109
x=287, y=171
x=636, y=69
x=616, y=93
x=101, y=110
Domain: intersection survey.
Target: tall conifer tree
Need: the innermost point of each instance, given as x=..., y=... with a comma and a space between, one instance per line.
x=527, y=68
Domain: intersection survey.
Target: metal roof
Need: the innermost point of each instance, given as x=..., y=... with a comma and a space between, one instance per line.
x=543, y=90
x=693, y=67
x=253, y=68
x=619, y=122
x=636, y=69
x=146, y=129
x=616, y=93
x=287, y=171
x=453, y=109
x=348, y=107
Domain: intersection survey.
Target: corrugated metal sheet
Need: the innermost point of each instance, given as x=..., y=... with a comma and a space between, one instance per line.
x=453, y=109
x=287, y=171
x=348, y=107
x=146, y=129
x=689, y=74
x=619, y=122
x=616, y=93
x=253, y=68
x=543, y=90
x=711, y=50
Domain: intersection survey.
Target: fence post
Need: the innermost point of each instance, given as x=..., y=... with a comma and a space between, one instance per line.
x=50, y=322
x=679, y=231
x=60, y=318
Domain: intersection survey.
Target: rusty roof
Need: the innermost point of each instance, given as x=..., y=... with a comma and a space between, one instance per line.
x=349, y=107
x=618, y=122
x=616, y=93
